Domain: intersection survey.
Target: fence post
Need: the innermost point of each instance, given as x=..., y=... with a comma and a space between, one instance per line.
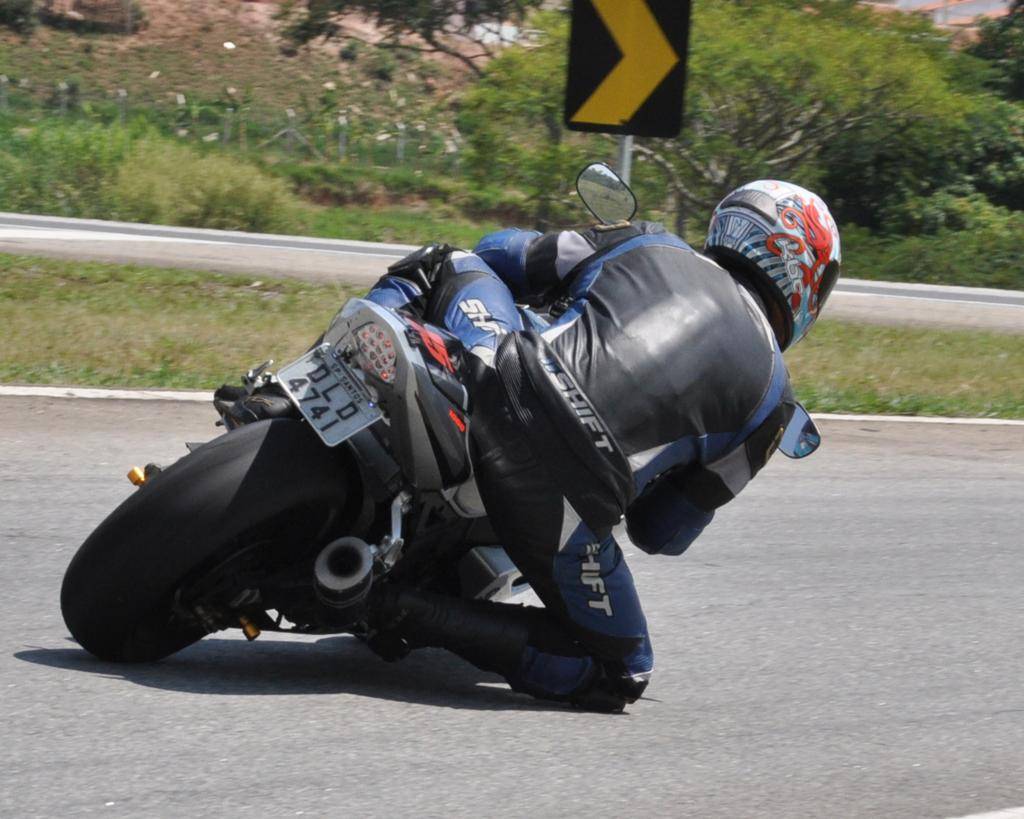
x=62, y=93
x=342, y=137
x=4, y=82
x=290, y=133
x=400, y=147
x=453, y=147
x=228, y=116
x=122, y=105
x=129, y=16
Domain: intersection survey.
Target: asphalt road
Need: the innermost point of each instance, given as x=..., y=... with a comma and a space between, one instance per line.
x=846, y=640
x=364, y=262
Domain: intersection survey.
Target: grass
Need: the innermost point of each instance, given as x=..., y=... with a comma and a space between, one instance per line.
x=397, y=225
x=845, y=367
x=115, y=325
x=185, y=55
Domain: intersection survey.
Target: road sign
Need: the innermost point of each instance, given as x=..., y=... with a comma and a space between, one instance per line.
x=627, y=66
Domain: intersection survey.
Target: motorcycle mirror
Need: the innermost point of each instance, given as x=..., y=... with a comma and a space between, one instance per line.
x=801, y=437
x=605, y=194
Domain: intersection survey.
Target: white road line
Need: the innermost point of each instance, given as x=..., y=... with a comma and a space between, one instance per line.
x=194, y=396
x=203, y=396
x=136, y=238
x=49, y=223
x=972, y=302
x=1008, y=813
x=917, y=419
x=954, y=289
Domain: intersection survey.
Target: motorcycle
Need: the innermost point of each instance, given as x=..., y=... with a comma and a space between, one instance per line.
x=298, y=523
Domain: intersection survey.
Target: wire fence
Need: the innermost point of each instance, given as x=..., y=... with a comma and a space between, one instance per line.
x=320, y=131
x=121, y=16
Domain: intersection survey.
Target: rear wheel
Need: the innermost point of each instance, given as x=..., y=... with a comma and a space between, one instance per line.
x=269, y=478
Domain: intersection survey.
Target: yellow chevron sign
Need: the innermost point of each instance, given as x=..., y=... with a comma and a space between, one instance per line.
x=627, y=66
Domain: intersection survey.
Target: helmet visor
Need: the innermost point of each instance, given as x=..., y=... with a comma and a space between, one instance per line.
x=828, y=282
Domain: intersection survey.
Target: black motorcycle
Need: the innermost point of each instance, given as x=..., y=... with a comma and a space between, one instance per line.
x=352, y=511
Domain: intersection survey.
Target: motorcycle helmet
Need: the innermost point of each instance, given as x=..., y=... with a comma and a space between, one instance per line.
x=782, y=239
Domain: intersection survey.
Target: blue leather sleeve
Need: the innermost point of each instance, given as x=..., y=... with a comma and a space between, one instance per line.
x=663, y=521
x=481, y=310
x=505, y=253
x=393, y=292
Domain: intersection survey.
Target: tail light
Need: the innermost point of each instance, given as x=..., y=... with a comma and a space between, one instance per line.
x=378, y=351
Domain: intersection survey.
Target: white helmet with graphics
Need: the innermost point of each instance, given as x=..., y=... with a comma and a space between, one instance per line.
x=783, y=239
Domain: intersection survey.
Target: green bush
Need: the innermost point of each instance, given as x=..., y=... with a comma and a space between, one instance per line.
x=18, y=14
x=166, y=183
x=952, y=209
x=350, y=51
x=989, y=255
x=382, y=65
x=341, y=184
x=64, y=170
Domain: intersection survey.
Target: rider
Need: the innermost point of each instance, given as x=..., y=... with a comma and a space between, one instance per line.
x=654, y=391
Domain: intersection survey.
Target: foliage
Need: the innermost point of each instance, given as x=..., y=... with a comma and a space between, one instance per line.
x=757, y=107
x=465, y=31
x=953, y=208
x=164, y=183
x=989, y=254
x=19, y=15
x=512, y=118
x=88, y=171
x=336, y=183
x=764, y=104
x=1001, y=42
x=64, y=170
x=979, y=146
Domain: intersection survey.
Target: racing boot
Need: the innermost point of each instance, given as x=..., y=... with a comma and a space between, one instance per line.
x=522, y=644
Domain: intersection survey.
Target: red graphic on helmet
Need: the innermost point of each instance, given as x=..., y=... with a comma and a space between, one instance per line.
x=818, y=236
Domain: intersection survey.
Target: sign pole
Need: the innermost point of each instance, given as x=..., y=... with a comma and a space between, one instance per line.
x=626, y=157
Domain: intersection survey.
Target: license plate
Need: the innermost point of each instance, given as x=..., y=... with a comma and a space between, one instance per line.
x=329, y=395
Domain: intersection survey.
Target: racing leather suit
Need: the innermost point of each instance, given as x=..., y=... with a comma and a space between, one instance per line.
x=654, y=391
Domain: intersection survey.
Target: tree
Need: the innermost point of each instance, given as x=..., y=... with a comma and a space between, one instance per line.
x=1001, y=42
x=471, y=31
x=773, y=88
x=512, y=118
x=19, y=15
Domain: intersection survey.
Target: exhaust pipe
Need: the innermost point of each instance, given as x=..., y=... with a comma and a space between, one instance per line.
x=342, y=576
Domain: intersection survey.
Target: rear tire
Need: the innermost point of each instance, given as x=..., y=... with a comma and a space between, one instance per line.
x=118, y=591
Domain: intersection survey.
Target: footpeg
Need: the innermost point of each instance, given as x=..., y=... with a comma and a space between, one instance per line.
x=139, y=475
x=249, y=628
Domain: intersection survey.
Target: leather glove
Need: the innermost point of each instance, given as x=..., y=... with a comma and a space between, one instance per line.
x=238, y=408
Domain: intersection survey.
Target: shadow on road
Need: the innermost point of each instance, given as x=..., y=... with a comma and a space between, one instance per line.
x=334, y=665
